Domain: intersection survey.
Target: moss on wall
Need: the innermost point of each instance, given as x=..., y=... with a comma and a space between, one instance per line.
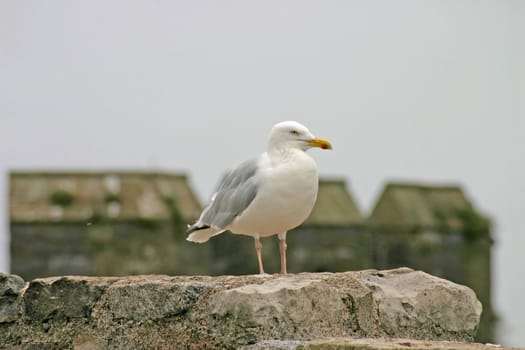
x=62, y=198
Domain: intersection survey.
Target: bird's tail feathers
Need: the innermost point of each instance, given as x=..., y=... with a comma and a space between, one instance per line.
x=201, y=234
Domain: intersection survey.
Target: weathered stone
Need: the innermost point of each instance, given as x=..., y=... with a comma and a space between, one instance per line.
x=10, y=286
x=360, y=303
x=369, y=344
x=164, y=312
x=88, y=341
x=140, y=299
x=398, y=302
x=63, y=297
x=294, y=307
x=418, y=305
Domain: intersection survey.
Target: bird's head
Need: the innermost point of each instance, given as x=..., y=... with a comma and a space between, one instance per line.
x=292, y=134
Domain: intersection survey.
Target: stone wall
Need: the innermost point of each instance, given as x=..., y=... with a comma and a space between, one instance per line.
x=146, y=247
x=258, y=312
x=312, y=249
x=103, y=249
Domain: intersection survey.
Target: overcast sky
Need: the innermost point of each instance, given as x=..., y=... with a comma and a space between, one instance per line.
x=430, y=91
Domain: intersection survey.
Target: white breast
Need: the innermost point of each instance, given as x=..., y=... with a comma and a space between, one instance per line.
x=286, y=195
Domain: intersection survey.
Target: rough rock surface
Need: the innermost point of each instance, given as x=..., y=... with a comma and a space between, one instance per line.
x=163, y=312
x=370, y=344
x=10, y=286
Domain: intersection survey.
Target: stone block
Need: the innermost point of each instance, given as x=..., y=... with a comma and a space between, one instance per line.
x=10, y=302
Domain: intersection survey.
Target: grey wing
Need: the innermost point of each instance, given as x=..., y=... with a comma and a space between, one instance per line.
x=235, y=192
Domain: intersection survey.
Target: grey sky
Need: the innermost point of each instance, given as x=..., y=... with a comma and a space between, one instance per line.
x=412, y=90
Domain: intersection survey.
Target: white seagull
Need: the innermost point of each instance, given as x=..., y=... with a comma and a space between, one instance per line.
x=268, y=195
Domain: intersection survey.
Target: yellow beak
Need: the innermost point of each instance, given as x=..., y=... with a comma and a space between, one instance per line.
x=321, y=143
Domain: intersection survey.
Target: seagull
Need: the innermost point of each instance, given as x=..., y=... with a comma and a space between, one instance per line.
x=268, y=195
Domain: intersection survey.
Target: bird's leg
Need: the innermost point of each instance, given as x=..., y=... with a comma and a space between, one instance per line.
x=258, y=249
x=282, y=251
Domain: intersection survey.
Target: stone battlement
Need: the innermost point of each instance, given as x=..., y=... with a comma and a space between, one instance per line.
x=268, y=312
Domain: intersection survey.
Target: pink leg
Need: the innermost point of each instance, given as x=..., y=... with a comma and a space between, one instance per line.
x=282, y=250
x=258, y=248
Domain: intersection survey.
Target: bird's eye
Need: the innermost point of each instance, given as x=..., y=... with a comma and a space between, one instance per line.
x=294, y=132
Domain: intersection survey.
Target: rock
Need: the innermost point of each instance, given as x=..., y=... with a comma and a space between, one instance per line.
x=397, y=303
x=87, y=341
x=10, y=286
x=304, y=306
x=60, y=298
x=370, y=344
x=151, y=299
x=291, y=311
x=414, y=304
x=296, y=306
